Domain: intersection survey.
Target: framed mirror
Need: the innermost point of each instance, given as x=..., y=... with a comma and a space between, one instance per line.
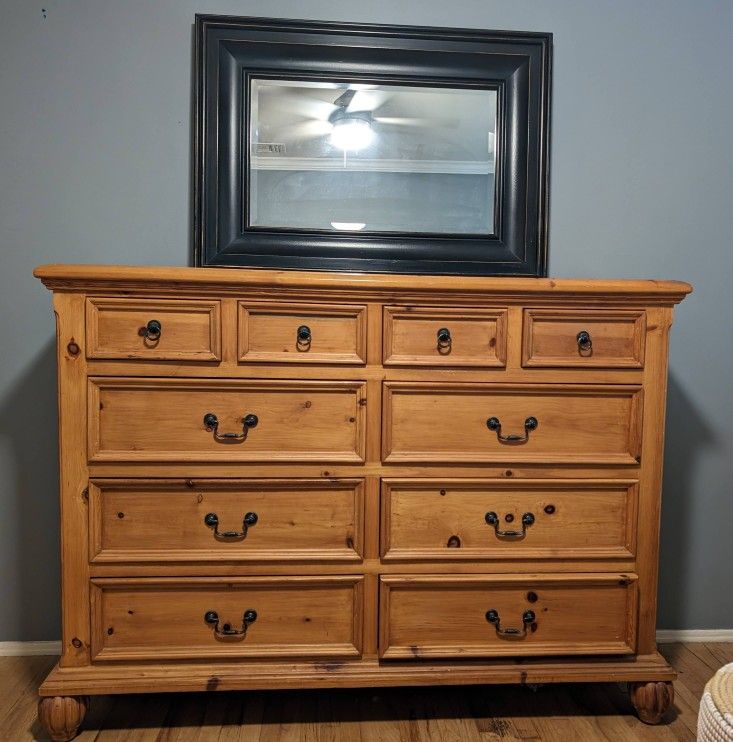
x=372, y=148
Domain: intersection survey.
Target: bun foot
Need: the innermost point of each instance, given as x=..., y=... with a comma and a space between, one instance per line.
x=651, y=700
x=62, y=715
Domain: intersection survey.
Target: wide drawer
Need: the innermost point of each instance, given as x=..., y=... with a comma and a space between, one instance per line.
x=192, y=617
x=153, y=329
x=245, y=520
x=543, y=423
x=445, y=616
x=583, y=338
x=475, y=519
x=277, y=332
x=444, y=336
x=133, y=419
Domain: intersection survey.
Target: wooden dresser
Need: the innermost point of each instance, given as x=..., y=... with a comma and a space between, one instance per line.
x=286, y=480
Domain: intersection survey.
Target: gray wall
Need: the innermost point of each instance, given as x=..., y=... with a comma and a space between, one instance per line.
x=94, y=163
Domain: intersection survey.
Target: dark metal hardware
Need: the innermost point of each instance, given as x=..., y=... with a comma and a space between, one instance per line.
x=493, y=617
x=304, y=335
x=549, y=509
x=211, y=423
x=493, y=520
x=444, y=338
x=212, y=520
x=226, y=630
x=152, y=330
x=531, y=423
x=585, y=344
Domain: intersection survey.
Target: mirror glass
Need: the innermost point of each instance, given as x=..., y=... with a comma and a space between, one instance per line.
x=371, y=157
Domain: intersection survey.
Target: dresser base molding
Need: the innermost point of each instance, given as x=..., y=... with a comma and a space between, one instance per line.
x=189, y=677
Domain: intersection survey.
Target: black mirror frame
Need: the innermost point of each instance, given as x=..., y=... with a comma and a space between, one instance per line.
x=518, y=65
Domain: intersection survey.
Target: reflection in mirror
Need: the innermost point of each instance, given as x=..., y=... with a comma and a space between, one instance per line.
x=371, y=157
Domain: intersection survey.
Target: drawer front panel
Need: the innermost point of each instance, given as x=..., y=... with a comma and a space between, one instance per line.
x=426, y=422
x=274, y=332
x=169, y=420
x=494, y=519
x=483, y=616
x=253, y=520
x=437, y=336
x=610, y=339
x=166, y=618
x=153, y=329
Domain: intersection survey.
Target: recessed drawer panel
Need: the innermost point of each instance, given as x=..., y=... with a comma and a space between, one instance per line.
x=447, y=616
x=611, y=339
x=153, y=329
x=245, y=520
x=273, y=332
x=198, y=618
x=543, y=423
x=225, y=420
x=494, y=519
x=437, y=336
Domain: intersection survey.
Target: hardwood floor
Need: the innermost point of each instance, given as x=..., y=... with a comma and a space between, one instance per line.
x=439, y=714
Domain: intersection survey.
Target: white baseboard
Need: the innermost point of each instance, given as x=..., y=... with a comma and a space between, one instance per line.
x=29, y=649
x=664, y=636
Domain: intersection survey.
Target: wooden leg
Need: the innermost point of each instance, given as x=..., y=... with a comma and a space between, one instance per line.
x=651, y=700
x=61, y=715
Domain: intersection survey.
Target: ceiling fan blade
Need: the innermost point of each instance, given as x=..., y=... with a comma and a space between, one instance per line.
x=345, y=98
x=303, y=130
x=369, y=100
x=445, y=123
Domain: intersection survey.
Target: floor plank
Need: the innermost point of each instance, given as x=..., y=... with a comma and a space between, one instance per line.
x=551, y=713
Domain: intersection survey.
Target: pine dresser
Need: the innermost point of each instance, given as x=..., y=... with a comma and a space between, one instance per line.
x=279, y=479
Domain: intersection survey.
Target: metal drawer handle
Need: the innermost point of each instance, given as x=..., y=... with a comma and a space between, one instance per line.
x=211, y=423
x=304, y=335
x=585, y=344
x=528, y=618
x=151, y=331
x=444, y=339
x=493, y=520
x=226, y=631
x=212, y=521
x=531, y=423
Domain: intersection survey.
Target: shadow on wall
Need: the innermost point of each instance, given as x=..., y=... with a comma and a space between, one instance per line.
x=686, y=435
x=28, y=422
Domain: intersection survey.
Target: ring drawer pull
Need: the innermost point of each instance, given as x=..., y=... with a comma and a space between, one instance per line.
x=226, y=631
x=528, y=617
x=585, y=343
x=531, y=423
x=444, y=339
x=151, y=331
x=304, y=335
x=211, y=423
x=493, y=520
x=212, y=521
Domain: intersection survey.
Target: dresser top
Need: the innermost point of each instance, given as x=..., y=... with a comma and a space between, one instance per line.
x=167, y=280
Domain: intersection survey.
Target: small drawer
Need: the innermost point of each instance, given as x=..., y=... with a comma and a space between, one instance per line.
x=153, y=329
x=459, y=519
x=138, y=419
x=572, y=339
x=274, y=332
x=503, y=423
x=205, y=618
x=242, y=520
x=437, y=336
x=450, y=616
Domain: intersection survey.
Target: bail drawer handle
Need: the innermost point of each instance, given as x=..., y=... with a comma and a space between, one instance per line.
x=492, y=519
x=585, y=343
x=304, y=335
x=531, y=423
x=226, y=631
x=211, y=423
x=212, y=521
x=444, y=338
x=151, y=331
x=493, y=617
